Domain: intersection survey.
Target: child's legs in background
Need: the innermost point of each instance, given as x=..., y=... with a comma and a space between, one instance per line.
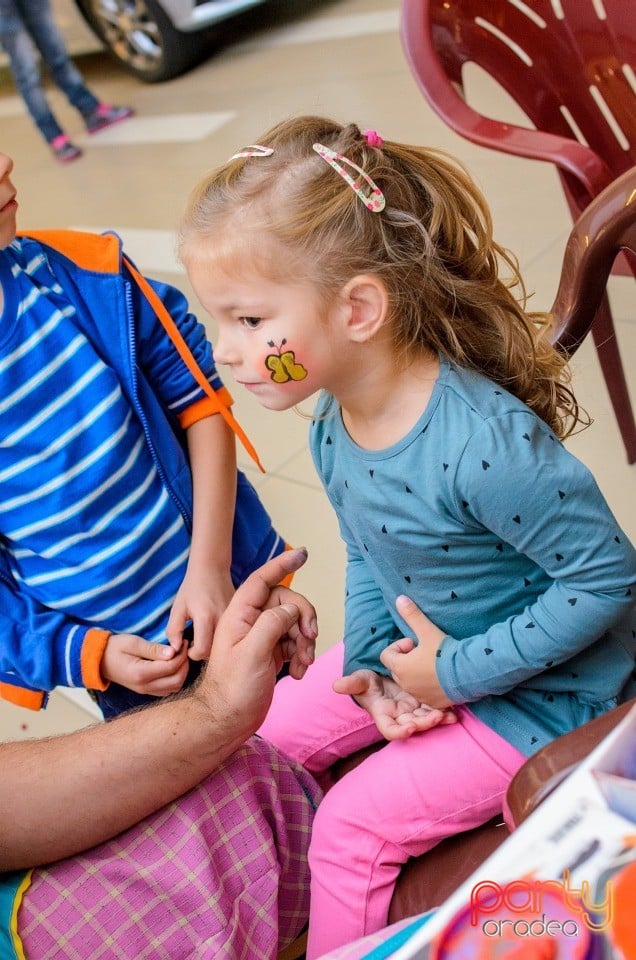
x=311, y=723
x=25, y=67
x=40, y=22
x=398, y=803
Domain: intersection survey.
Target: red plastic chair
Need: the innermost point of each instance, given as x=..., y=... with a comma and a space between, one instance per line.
x=570, y=65
x=605, y=228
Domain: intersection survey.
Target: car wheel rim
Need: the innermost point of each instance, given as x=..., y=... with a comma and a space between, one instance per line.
x=131, y=32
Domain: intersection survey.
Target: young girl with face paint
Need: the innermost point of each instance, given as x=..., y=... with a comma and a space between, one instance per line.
x=333, y=261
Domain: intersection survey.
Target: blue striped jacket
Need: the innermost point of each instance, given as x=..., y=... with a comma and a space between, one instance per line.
x=116, y=308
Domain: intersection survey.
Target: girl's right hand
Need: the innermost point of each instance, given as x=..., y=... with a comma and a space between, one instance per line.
x=148, y=668
x=396, y=713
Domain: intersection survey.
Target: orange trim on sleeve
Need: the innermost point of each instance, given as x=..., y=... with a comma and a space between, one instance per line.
x=91, y=659
x=31, y=699
x=202, y=409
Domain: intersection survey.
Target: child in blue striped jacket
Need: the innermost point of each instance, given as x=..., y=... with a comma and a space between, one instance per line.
x=124, y=518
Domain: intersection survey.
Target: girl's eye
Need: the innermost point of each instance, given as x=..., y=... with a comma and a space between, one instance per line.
x=250, y=322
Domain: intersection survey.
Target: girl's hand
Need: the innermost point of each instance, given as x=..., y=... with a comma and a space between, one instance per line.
x=201, y=598
x=413, y=667
x=149, y=668
x=397, y=714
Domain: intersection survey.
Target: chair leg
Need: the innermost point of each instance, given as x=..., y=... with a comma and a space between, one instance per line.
x=606, y=344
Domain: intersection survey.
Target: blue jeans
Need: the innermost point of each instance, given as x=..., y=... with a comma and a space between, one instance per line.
x=26, y=27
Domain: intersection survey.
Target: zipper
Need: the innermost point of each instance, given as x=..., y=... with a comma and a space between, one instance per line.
x=185, y=513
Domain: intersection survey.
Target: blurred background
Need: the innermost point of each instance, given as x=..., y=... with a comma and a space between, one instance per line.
x=340, y=58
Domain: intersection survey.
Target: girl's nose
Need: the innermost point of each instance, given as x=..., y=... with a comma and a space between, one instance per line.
x=226, y=346
x=6, y=165
x=222, y=352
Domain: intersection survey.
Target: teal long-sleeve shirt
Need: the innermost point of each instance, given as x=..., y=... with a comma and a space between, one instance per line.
x=504, y=540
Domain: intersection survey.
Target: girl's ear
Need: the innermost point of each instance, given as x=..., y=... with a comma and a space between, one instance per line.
x=365, y=302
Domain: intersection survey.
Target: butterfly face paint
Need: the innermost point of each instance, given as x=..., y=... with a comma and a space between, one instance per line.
x=282, y=365
x=277, y=339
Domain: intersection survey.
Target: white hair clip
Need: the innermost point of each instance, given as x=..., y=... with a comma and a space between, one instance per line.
x=254, y=150
x=374, y=200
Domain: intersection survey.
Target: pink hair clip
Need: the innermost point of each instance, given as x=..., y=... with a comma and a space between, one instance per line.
x=254, y=150
x=373, y=200
x=373, y=138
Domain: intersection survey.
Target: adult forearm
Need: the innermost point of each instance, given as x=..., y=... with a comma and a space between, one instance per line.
x=66, y=794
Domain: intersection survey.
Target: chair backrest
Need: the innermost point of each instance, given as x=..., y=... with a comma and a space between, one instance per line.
x=544, y=771
x=569, y=64
x=605, y=228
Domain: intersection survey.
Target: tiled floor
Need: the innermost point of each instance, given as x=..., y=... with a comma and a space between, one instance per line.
x=335, y=57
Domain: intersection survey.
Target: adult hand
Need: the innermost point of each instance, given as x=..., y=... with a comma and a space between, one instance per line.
x=125, y=769
x=411, y=666
x=154, y=669
x=263, y=625
x=397, y=714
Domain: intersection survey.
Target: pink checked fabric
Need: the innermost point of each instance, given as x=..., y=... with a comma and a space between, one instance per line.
x=221, y=874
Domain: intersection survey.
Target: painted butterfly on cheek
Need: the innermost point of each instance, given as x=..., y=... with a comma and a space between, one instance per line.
x=283, y=366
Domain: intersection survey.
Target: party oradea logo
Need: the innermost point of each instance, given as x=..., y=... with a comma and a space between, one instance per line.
x=553, y=913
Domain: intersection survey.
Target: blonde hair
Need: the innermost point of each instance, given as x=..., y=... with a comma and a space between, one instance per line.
x=432, y=247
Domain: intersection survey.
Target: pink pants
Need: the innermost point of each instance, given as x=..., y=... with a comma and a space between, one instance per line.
x=397, y=804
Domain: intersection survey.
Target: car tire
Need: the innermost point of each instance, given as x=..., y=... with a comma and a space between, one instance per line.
x=142, y=38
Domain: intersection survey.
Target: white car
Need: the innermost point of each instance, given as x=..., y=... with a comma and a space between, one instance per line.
x=157, y=40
